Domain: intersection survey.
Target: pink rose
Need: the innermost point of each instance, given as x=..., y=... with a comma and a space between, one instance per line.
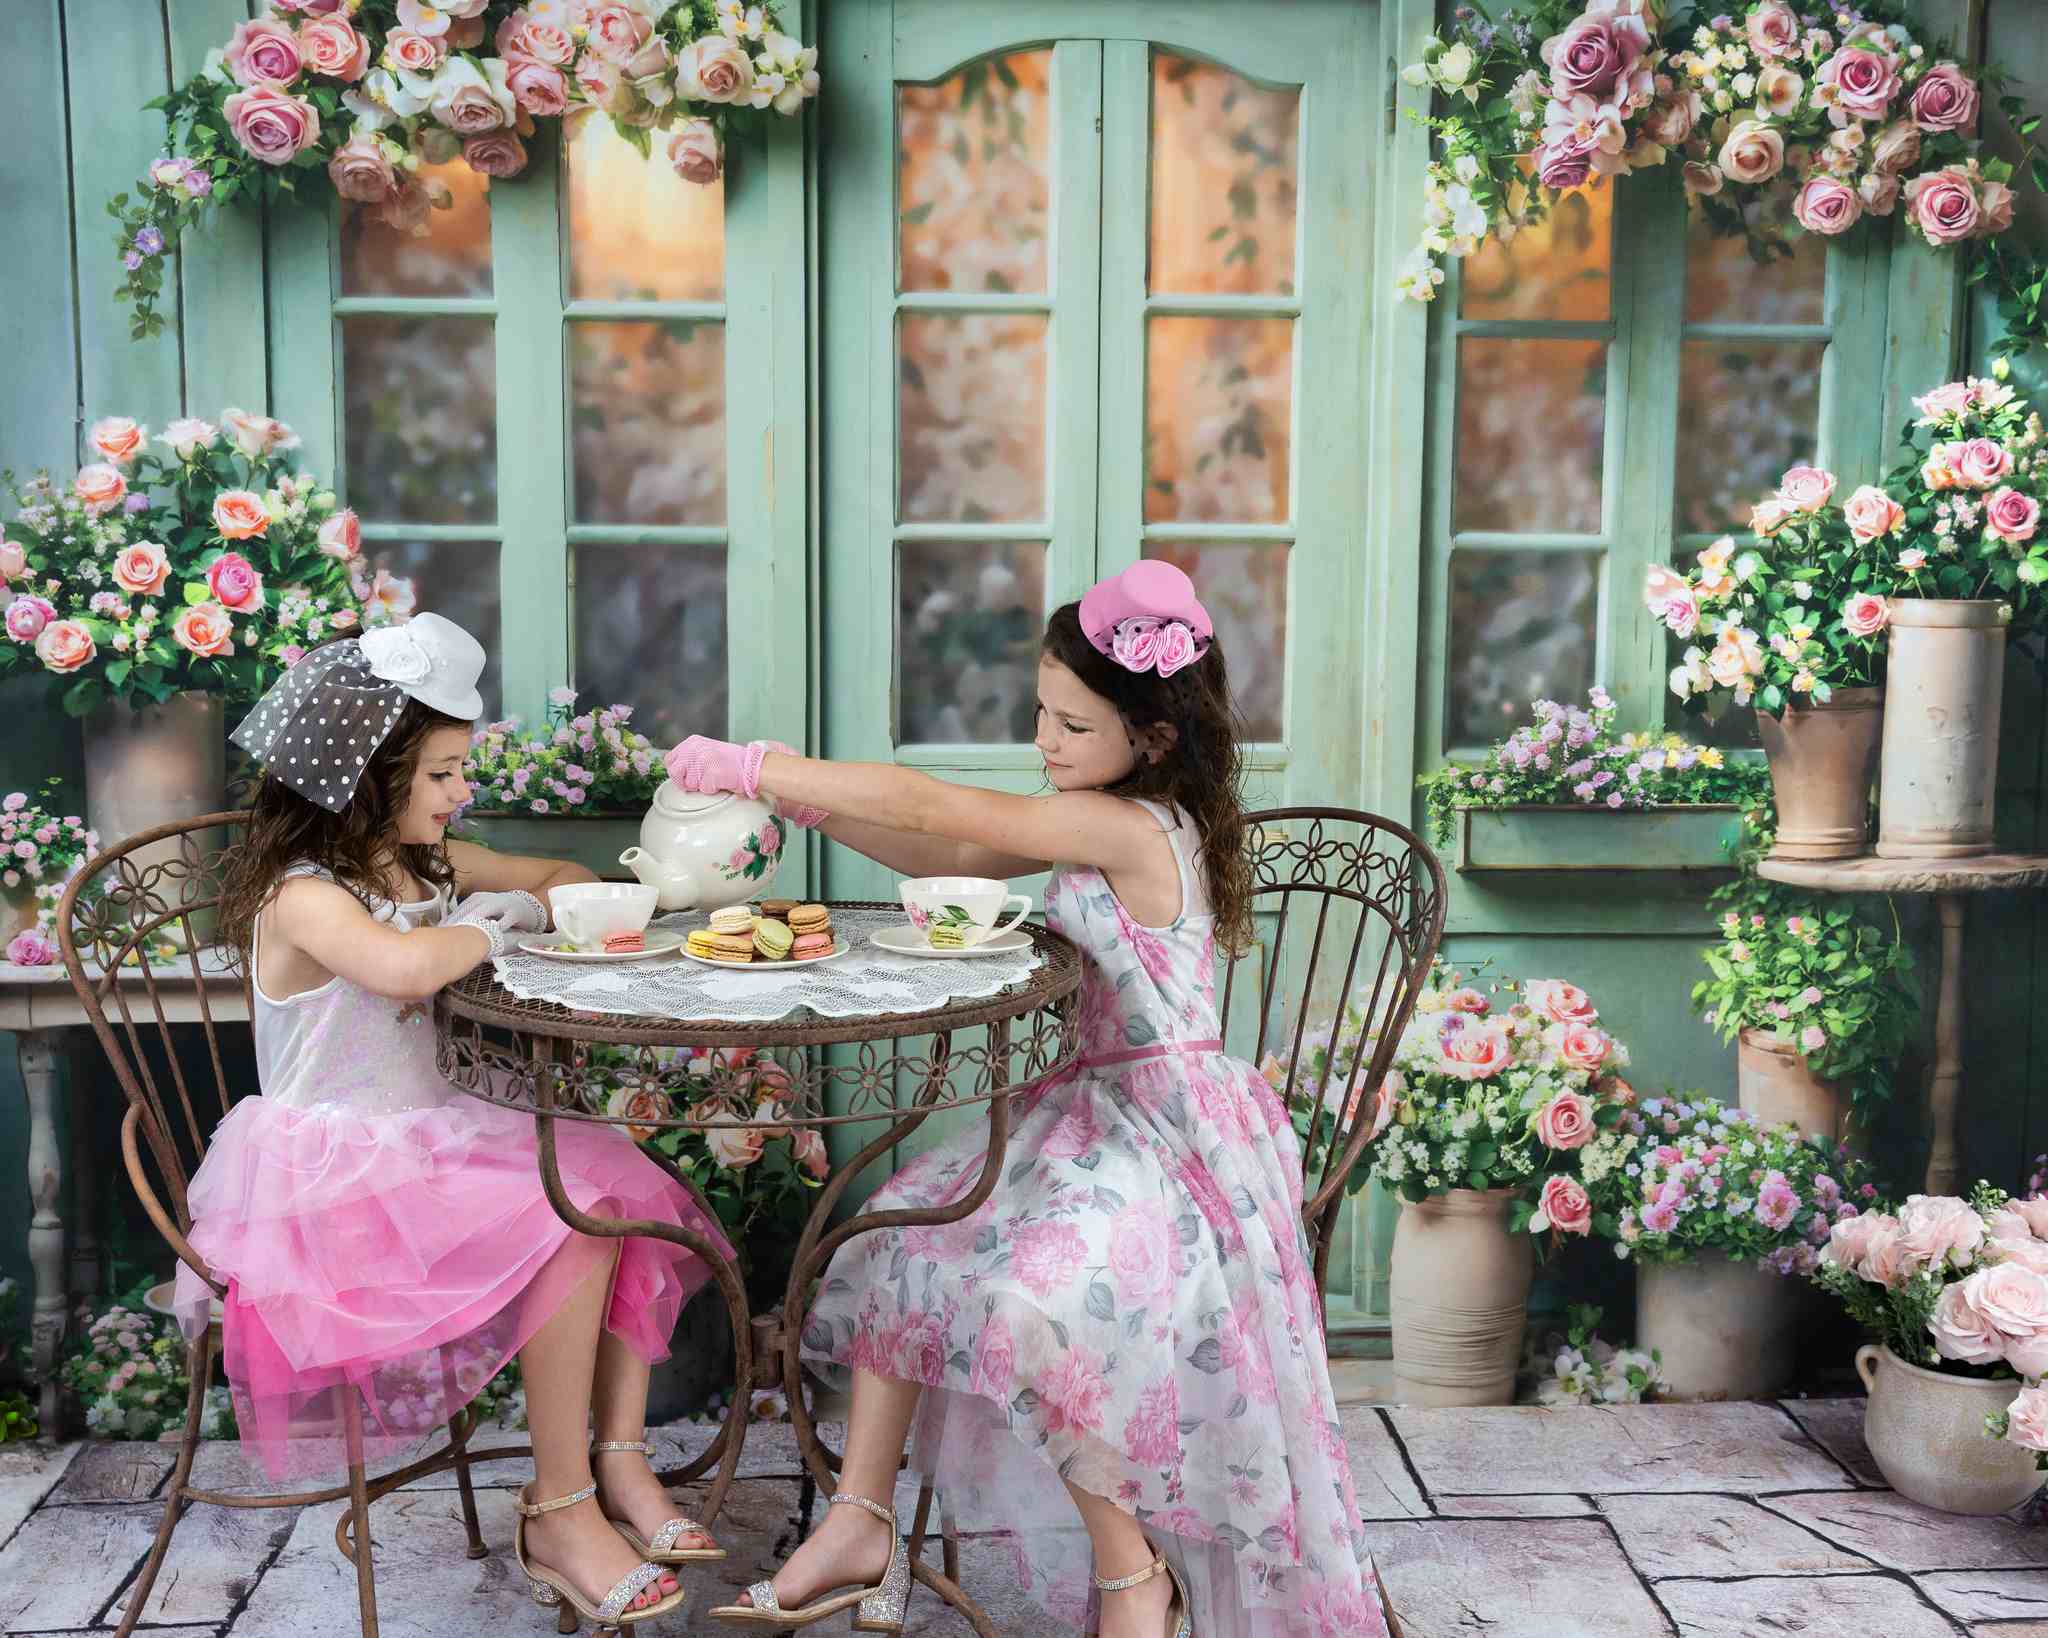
x=417, y=54
x=2026, y=1418
x=1565, y=163
x=618, y=31
x=1141, y=1253
x=1590, y=57
x=1778, y=90
x=1135, y=645
x=1849, y=1241
x=118, y=438
x=1944, y=206
x=1753, y=152
x=291, y=654
x=1565, y=1205
x=1872, y=514
x=1046, y=1255
x=271, y=124
x=496, y=153
x=1566, y=1122
x=1580, y=1046
x=1176, y=647
x=13, y=560
x=1865, y=615
x=64, y=645
x=99, y=487
x=239, y=514
x=807, y=1148
x=733, y=1146
x=1737, y=656
x=714, y=69
x=1671, y=121
x=235, y=584
x=1897, y=148
x=1997, y=203
x=1961, y=1332
x=1980, y=463
x=142, y=569
x=26, y=617
x=1773, y=30
x=341, y=535
x=1473, y=1052
x=1939, y=1231
x=331, y=46
x=695, y=153
x=2012, y=1298
x=1860, y=84
x=204, y=629
x=1560, y=1002
x=1826, y=207
x=1702, y=178
x=341, y=619
x=31, y=948
x=257, y=435
x=1806, y=488
x=361, y=170
x=262, y=50
x=1945, y=100
x=1879, y=192
x=538, y=88
x=469, y=102
x=1660, y=585
x=2034, y=1209
x=1466, y=1000
x=2009, y=515
x=536, y=40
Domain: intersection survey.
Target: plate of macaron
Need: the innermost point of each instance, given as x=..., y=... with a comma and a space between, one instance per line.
x=774, y=933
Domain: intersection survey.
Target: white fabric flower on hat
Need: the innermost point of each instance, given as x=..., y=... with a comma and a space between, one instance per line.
x=396, y=655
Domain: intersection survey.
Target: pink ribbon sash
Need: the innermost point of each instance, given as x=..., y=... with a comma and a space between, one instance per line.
x=1159, y=1049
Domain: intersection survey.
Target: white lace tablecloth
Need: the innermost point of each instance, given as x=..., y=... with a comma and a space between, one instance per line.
x=866, y=981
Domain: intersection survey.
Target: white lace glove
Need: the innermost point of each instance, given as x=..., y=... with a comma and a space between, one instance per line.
x=514, y=912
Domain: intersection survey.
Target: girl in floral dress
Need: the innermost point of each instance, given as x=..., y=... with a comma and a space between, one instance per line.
x=1118, y=1360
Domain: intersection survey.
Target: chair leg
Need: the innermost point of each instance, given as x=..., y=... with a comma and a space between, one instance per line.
x=359, y=1514
x=458, y=1439
x=199, y=1368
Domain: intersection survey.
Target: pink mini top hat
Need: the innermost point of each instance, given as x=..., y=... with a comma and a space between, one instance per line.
x=1147, y=618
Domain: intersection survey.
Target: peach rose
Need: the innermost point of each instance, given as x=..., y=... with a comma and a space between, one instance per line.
x=257, y=435
x=1670, y=122
x=1778, y=90
x=265, y=50
x=714, y=69
x=1939, y=1231
x=2011, y=516
x=1997, y=203
x=239, y=514
x=273, y=126
x=1563, y=1003
x=538, y=88
x=341, y=535
x=1960, y=1331
x=13, y=560
x=235, y=583
x=1826, y=207
x=204, y=629
x=807, y=1146
x=496, y=153
x=1471, y=1051
x=1806, y=488
x=1702, y=178
x=1660, y=585
x=1580, y=1046
x=99, y=487
x=1896, y=149
x=1769, y=515
x=1773, y=30
x=1872, y=514
x=331, y=46
x=1945, y=206
x=1737, y=656
x=1564, y=1206
x=64, y=645
x=617, y=31
x=1981, y=462
x=470, y=102
x=1879, y=192
x=1865, y=615
x=537, y=40
x=142, y=569
x=1945, y=100
x=733, y=1146
x=416, y=54
x=1754, y=152
x=1566, y=1122
x=1466, y=999
x=630, y=1106
x=118, y=438
x=695, y=153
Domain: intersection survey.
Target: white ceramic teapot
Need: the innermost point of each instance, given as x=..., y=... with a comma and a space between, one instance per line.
x=704, y=852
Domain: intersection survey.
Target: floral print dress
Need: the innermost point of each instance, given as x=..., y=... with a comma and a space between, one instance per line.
x=1133, y=1310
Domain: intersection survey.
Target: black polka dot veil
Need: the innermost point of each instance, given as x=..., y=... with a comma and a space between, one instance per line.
x=320, y=723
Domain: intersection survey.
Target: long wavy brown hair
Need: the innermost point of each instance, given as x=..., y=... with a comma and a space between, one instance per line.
x=357, y=845
x=1202, y=772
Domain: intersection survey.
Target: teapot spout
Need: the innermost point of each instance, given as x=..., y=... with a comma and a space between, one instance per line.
x=676, y=888
x=640, y=862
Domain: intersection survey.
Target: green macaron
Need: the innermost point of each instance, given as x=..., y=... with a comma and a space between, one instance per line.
x=772, y=939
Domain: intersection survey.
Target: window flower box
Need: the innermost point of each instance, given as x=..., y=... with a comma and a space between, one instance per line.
x=1573, y=837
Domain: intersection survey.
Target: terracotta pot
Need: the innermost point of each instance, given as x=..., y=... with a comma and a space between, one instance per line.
x=1458, y=1294
x=1925, y=1431
x=1726, y=1330
x=149, y=765
x=1822, y=758
x=1947, y=676
x=1774, y=1085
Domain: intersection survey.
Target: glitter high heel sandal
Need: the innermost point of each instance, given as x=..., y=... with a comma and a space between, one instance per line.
x=881, y=1607
x=552, y=1590
x=1178, y=1612
x=662, y=1549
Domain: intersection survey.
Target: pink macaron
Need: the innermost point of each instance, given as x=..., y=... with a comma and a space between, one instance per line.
x=811, y=944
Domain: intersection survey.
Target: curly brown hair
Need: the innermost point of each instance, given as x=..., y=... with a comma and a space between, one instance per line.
x=1202, y=773
x=356, y=845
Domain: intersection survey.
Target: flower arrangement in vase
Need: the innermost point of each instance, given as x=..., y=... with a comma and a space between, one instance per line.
x=40, y=851
x=590, y=760
x=197, y=560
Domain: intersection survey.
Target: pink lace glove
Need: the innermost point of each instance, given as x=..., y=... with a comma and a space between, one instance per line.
x=715, y=767
x=794, y=813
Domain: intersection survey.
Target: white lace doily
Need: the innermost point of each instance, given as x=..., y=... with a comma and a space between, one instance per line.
x=865, y=981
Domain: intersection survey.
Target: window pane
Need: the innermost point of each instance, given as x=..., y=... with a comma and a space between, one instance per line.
x=1244, y=588
x=971, y=407
x=650, y=633
x=455, y=578
x=1558, y=269
x=647, y=421
x=1223, y=180
x=1522, y=629
x=450, y=256
x=1746, y=411
x=968, y=622
x=420, y=416
x=638, y=231
x=1218, y=417
x=1724, y=283
x=974, y=176
x=1531, y=419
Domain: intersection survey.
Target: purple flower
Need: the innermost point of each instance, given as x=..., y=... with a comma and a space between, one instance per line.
x=132, y=260
x=198, y=183
x=136, y=502
x=149, y=241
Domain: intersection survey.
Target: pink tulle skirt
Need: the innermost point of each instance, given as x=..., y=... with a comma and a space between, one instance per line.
x=402, y=1259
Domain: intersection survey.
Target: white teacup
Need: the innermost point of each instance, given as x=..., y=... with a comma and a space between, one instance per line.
x=960, y=910
x=588, y=913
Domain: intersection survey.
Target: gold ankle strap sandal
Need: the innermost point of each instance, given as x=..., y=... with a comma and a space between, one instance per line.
x=1179, y=1613
x=661, y=1547
x=553, y=1590
x=880, y=1607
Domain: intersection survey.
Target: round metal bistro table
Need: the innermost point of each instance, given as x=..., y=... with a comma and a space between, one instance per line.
x=890, y=1070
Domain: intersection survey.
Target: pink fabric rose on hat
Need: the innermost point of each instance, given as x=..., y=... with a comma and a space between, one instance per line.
x=2011, y=516
x=235, y=583
x=1135, y=646
x=1865, y=615
x=271, y=124
x=1564, y=1205
x=142, y=569
x=64, y=646
x=1945, y=100
x=27, y=615
x=1566, y=1122
x=1826, y=207
x=1176, y=648
x=1872, y=514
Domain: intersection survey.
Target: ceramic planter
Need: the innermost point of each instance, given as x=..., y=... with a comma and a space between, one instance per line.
x=1946, y=675
x=1458, y=1293
x=1822, y=758
x=1925, y=1431
x=149, y=765
x=1726, y=1330
x=1774, y=1084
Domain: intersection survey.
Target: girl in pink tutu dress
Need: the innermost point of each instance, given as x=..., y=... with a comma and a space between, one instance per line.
x=383, y=1237
x=1118, y=1360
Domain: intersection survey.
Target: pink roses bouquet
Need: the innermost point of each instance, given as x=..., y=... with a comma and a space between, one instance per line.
x=197, y=559
x=40, y=851
x=366, y=96
x=1675, y=1177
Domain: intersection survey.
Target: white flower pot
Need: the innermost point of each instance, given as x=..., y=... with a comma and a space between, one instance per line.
x=1926, y=1433
x=1458, y=1293
x=1726, y=1330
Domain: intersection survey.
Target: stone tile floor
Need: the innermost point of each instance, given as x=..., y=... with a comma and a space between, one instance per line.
x=1708, y=1521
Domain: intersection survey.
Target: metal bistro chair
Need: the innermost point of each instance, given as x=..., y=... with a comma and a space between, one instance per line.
x=1349, y=894
x=158, y=886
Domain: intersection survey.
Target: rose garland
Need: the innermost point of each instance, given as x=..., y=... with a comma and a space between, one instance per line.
x=1830, y=116
x=363, y=93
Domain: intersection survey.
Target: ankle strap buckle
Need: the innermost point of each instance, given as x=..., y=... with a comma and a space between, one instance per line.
x=1123, y=1583
x=535, y=1509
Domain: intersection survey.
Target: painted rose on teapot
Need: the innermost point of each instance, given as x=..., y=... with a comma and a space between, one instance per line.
x=705, y=852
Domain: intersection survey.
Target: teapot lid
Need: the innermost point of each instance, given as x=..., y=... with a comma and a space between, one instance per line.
x=671, y=798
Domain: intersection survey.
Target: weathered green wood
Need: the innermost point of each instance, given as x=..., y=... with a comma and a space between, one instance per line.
x=934, y=37
x=1082, y=272
x=593, y=842
x=38, y=321
x=305, y=352
x=115, y=63
x=220, y=268
x=1535, y=839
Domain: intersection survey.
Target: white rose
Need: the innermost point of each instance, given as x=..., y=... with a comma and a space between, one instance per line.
x=1454, y=67
x=395, y=655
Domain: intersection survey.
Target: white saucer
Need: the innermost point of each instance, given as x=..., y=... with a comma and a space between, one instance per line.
x=661, y=943
x=907, y=940
x=757, y=965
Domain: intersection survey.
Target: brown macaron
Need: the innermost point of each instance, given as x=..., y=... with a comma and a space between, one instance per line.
x=810, y=918
x=777, y=909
